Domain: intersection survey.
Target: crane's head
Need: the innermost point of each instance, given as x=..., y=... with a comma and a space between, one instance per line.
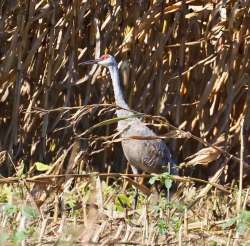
x=104, y=60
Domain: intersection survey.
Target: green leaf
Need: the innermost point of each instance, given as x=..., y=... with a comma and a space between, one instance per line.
x=5, y=193
x=70, y=199
x=122, y=201
x=229, y=223
x=10, y=209
x=153, y=179
x=245, y=217
x=157, y=208
x=111, y=121
x=168, y=183
x=71, y=202
x=166, y=175
x=41, y=166
x=244, y=222
x=176, y=221
x=242, y=228
x=52, y=146
x=162, y=226
x=114, y=120
x=29, y=212
x=19, y=236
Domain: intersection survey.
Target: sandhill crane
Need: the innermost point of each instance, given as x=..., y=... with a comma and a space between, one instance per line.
x=150, y=155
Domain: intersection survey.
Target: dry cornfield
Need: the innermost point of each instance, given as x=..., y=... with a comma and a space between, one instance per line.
x=184, y=64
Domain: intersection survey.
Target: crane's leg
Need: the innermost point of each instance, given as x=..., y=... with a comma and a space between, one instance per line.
x=135, y=171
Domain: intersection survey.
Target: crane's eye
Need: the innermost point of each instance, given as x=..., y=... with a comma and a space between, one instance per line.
x=104, y=57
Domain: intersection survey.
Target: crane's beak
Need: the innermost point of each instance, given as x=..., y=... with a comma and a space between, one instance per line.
x=90, y=62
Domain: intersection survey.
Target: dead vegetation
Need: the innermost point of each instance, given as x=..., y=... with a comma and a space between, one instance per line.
x=185, y=64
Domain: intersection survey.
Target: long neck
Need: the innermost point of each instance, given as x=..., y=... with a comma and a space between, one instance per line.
x=119, y=99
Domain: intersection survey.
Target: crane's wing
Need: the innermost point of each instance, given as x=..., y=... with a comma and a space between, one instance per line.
x=150, y=155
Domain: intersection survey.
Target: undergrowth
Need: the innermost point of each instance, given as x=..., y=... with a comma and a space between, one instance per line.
x=95, y=210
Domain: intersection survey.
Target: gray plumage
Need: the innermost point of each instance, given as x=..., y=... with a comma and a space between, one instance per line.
x=152, y=156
